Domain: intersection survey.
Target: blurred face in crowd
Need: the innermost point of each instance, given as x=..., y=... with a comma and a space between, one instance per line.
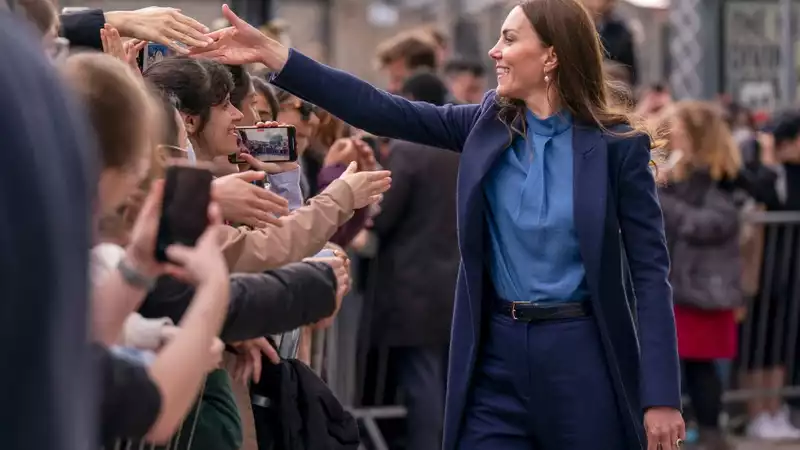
x=249, y=108
x=262, y=108
x=678, y=138
x=466, y=87
x=218, y=135
x=520, y=57
x=396, y=73
x=294, y=111
x=116, y=185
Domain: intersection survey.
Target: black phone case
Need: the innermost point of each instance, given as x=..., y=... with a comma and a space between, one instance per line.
x=184, y=209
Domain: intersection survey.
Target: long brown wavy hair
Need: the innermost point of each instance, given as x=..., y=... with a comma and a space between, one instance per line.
x=712, y=145
x=579, y=80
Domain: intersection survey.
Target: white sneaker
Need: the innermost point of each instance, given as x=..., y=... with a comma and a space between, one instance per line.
x=782, y=422
x=765, y=427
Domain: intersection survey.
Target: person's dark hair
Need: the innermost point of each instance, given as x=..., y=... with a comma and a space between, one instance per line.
x=241, y=83
x=459, y=66
x=417, y=49
x=785, y=127
x=425, y=87
x=119, y=106
x=579, y=79
x=264, y=89
x=198, y=84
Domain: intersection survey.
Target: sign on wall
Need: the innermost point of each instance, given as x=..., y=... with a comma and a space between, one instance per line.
x=752, y=52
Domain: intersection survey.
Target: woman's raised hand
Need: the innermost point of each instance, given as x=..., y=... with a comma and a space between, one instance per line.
x=165, y=26
x=241, y=43
x=124, y=51
x=367, y=186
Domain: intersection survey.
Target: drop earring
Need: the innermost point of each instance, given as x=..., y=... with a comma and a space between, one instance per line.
x=547, y=78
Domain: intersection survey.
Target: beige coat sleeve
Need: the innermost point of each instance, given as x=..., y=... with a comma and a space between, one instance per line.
x=304, y=233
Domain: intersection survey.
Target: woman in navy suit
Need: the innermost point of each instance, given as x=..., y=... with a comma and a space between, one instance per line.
x=563, y=331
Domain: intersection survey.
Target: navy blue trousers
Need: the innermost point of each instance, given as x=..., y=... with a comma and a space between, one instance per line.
x=541, y=386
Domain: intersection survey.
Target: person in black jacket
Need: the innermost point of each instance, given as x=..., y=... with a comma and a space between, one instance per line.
x=261, y=304
x=615, y=35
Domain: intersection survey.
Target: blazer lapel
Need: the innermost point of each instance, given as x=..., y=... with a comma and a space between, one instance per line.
x=489, y=138
x=590, y=191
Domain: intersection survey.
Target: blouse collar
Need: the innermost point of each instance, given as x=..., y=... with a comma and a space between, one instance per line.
x=549, y=126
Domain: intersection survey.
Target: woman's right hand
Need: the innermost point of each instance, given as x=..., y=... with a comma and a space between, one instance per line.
x=367, y=186
x=124, y=51
x=341, y=269
x=243, y=202
x=241, y=43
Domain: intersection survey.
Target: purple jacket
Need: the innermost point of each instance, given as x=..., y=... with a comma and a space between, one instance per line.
x=350, y=229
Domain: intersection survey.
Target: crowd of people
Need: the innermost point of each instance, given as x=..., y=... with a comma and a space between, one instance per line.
x=579, y=261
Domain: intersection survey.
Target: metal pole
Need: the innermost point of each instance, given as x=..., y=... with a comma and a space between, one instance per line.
x=788, y=75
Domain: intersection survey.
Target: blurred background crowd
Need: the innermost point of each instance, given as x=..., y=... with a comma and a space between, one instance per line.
x=718, y=76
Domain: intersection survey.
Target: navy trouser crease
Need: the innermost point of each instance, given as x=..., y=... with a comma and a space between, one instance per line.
x=542, y=386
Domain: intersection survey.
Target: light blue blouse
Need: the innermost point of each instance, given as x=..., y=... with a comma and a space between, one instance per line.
x=534, y=252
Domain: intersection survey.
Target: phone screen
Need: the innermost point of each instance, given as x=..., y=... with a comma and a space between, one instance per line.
x=153, y=53
x=267, y=144
x=184, y=210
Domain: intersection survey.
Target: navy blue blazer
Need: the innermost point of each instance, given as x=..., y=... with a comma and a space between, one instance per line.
x=617, y=218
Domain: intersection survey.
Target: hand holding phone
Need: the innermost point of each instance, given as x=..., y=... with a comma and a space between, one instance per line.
x=184, y=209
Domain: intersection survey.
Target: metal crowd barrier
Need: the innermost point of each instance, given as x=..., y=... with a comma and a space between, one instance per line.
x=769, y=327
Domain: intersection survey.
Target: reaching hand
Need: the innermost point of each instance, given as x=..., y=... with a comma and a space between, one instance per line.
x=124, y=51
x=343, y=151
x=165, y=26
x=368, y=187
x=341, y=269
x=241, y=43
x=248, y=361
x=243, y=202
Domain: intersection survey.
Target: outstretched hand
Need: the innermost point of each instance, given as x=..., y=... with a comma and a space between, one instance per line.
x=241, y=43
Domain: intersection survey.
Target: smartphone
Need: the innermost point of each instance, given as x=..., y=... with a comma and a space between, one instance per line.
x=151, y=54
x=184, y=209
x=266, y=144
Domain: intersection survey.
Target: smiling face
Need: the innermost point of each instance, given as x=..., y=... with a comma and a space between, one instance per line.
x=218, y=135
x=294, y=111
x=521, y=59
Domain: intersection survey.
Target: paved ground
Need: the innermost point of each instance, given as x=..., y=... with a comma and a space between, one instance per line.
x=744, y=444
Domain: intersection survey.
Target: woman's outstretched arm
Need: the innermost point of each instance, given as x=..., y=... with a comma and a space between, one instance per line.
x=343, y=95
x=371, y=109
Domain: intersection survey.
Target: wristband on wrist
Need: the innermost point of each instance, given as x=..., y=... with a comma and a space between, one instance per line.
x=135, y=278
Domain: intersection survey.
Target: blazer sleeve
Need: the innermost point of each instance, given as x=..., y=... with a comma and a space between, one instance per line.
x=304, y=232
x=642, y=229
x=366, y=107
x=82, y=29
x=261, y=304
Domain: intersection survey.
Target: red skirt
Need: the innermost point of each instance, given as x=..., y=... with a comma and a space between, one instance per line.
x=706, y=335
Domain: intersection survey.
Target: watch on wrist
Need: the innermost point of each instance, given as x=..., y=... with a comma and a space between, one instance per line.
x=135, y=278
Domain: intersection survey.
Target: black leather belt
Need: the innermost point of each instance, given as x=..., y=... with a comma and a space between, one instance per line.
x=542, y=312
